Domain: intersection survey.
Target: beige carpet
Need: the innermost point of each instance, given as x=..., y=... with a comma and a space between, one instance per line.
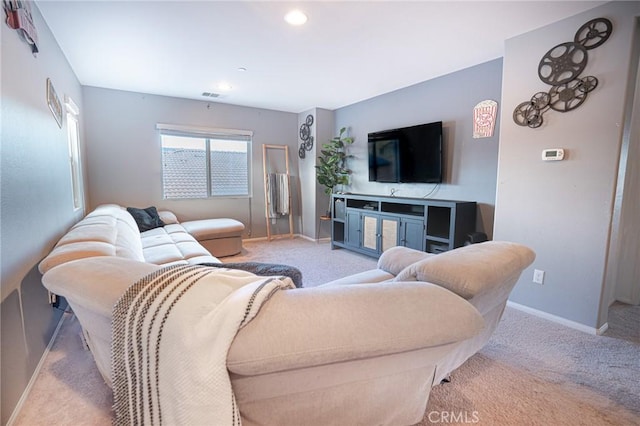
x=532, y=372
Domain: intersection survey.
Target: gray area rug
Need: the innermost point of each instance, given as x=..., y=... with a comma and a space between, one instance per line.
x=532, y=371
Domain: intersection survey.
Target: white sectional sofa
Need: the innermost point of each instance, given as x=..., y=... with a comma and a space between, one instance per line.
x=110, y=230
x=365, y=349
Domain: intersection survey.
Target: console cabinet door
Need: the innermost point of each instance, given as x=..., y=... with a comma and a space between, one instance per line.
x=352, y=237
x=412, y=233
x=370, y=232
x=379, y=232
x=388, y=233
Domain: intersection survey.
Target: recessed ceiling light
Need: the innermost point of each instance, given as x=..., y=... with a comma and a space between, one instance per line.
x=242, y=69
x=295, y=17
x=224, y=86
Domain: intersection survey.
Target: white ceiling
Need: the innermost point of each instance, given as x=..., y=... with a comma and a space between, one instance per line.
x=348, y=51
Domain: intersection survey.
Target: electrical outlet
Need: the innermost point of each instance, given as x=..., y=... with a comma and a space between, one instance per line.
x=538, y=276
x=54, y=300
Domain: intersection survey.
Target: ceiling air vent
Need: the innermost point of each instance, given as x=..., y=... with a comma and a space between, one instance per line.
x=211, y=95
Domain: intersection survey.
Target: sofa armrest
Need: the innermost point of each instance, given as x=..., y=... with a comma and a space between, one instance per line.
x=474, y=270
x=167, y=217
x=397, y=258
x=322, y=325
x=95, y=283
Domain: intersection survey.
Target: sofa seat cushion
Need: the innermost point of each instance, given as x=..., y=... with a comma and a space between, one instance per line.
x=208, y=229
x=222, y=237
x=162, y=254
x=154, y=238
x=171, y=244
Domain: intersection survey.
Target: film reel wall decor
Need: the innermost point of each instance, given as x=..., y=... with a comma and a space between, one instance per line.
x=305, y=137
x=560, y=68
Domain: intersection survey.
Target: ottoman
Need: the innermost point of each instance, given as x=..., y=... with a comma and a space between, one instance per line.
x=221, y=237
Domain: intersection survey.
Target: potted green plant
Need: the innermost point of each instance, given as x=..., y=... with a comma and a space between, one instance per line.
x=331, y=170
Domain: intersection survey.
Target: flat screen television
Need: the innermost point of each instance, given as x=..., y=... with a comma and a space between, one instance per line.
x=407, y=155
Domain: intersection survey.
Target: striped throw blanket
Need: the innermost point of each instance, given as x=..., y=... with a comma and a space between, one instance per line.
x=171, y=334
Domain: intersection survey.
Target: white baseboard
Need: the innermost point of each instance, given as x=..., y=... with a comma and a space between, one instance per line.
x=34, y=376
x=275, y=237
x=559, y=320
x=319, y=240
x=254, y=239
x=304, y=237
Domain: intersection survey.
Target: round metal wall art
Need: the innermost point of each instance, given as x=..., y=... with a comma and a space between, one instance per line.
x=305, y=136
x=527, y=114
x=594, y=33
x=566, y=97
x=561, y=67
x=562, y=63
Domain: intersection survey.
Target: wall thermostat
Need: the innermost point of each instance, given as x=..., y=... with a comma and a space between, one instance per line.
x=553, y=154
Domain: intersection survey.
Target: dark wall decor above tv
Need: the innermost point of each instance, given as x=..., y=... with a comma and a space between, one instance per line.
x=407, y=155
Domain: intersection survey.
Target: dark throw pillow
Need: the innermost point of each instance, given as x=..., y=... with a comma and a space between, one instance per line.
x=263, y=269
x=146, y=218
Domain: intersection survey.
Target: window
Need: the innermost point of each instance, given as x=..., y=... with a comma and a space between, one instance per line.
x=73, y=133
x=201, y=163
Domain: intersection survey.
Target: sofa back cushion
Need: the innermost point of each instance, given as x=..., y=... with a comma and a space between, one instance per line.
x=109, y=230
x=472, y=270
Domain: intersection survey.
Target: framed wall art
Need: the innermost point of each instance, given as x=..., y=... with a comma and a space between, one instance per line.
x=54, y=103
x=484, y=119
x=19, y=18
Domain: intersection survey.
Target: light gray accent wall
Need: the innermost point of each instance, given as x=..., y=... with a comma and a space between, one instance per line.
x=470, y=165
x=124, y=158
x=314, y=201
x=563, y=210
x=324, y=133
x=36, y=205
x=307, y=178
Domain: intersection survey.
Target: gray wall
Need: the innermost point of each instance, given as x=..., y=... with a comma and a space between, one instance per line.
x=563, y=210
x=307, y=174
x=124, y=160
x=470, y=164
x=36, y=204
x=324, y=133
x=314, y=201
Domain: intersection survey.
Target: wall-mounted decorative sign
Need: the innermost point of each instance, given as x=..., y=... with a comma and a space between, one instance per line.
x=19, y=18
x=54, y=103
x=305, y=136
x=561, y=67
x=484, y=119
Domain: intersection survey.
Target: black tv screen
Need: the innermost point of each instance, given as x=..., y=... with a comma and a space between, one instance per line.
x=407, y=155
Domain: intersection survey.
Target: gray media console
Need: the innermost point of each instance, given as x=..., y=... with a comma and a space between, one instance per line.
x=370, y=224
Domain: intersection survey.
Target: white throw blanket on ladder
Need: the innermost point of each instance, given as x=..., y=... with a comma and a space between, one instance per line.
x=278, y=194
x=171, y=334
